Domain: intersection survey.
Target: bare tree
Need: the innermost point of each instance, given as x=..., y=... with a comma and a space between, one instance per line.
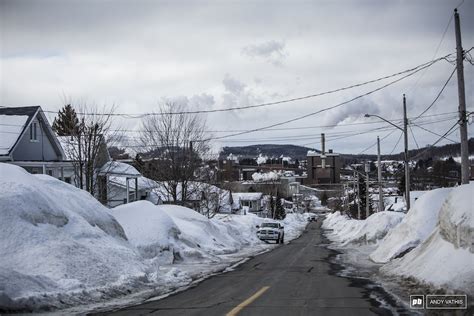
x=86, y=145
x=176, y=142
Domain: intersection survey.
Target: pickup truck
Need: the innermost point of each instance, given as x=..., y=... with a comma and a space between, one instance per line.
x=271, y=231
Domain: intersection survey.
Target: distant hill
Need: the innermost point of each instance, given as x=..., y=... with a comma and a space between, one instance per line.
x=437, y=152
x=299, y=152
x=271, y=150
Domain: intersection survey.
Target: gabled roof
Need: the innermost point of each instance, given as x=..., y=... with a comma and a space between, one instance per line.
x=14, y=121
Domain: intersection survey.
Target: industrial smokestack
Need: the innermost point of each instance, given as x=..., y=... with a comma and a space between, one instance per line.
x=323, y=152
x=323, y=145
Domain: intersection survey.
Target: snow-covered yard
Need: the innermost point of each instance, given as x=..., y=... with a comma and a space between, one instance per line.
x=61, y=248
x=432, y=244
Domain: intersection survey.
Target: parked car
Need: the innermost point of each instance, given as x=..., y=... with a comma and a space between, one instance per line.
x=312, y=218
x=271, y=231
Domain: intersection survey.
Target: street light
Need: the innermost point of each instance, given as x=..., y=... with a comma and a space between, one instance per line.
x=405, y=132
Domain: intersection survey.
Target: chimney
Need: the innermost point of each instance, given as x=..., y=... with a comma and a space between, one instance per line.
x=330, y=151
x=323, y=145
x=323, y=157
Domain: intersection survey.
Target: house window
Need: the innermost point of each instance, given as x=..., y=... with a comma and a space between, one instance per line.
x=33, y=132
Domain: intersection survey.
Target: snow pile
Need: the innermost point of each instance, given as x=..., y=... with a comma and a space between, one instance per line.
x=169, y=234
x=60, y=247
x=371, y=230
x=262, y=177
x=445, y=259
x=417, y=225
x=261, y=159
x=57, y=239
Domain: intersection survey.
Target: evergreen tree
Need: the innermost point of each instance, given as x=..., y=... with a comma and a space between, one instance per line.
x=324, y=199
x=138, y=163
x=66, y=123
x=272, y=206
x=279, y=210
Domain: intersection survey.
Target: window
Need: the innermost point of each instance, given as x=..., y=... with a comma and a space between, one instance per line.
x=33, y=132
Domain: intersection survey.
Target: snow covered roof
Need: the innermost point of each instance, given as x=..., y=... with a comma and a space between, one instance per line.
x=119, y=169
x=247, y=196
x=11, y=127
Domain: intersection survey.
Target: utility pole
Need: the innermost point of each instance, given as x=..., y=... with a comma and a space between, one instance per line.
x=367, y=209
x=358, y=196
x=462, y=102
x=379, y=173
x=407, y=162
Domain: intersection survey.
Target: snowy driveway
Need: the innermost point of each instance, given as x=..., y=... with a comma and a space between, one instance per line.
x=293, y=279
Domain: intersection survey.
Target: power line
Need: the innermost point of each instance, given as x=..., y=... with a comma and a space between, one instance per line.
x=415, y=86
x=373, y=145
x=141, y=115
x=398, y=141
x=437, y=96
x=328, y=108
x=413, y=135
x=434, y=133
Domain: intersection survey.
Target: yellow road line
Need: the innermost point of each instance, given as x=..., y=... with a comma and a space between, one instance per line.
x=248, y=301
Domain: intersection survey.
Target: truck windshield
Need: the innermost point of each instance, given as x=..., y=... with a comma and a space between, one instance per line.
x=272, y=225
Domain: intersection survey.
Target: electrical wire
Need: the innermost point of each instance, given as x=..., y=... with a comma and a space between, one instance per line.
x=327, y=108
x=437, y=96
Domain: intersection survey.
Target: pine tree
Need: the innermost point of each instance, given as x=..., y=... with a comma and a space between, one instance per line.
x=272, y=206
x=279, y=210
x=66, y=123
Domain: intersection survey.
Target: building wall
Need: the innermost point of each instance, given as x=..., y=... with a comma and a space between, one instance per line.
x=39, y=150
x=330, y=174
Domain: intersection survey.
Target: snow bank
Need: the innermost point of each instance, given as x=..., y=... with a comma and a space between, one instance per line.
x=371, y=230
x=445, y=259
x=417, y=225
x=170, y=234
x=60, y=247
x=57, y=239
x=148, y=228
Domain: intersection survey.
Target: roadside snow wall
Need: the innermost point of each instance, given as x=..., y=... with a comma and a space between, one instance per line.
x=417, y=225
x=446, y=258
x=56, y=239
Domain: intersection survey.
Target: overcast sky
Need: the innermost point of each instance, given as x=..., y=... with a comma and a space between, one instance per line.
x=219, y=54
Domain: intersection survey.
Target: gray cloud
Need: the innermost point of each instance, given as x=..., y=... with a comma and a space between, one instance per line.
x=271, y=51
x=133, y=53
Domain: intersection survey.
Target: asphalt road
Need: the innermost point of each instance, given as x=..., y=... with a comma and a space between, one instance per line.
x=293, y=279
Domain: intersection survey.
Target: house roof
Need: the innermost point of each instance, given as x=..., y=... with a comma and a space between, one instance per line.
x=116, y=168
x=13, y=123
